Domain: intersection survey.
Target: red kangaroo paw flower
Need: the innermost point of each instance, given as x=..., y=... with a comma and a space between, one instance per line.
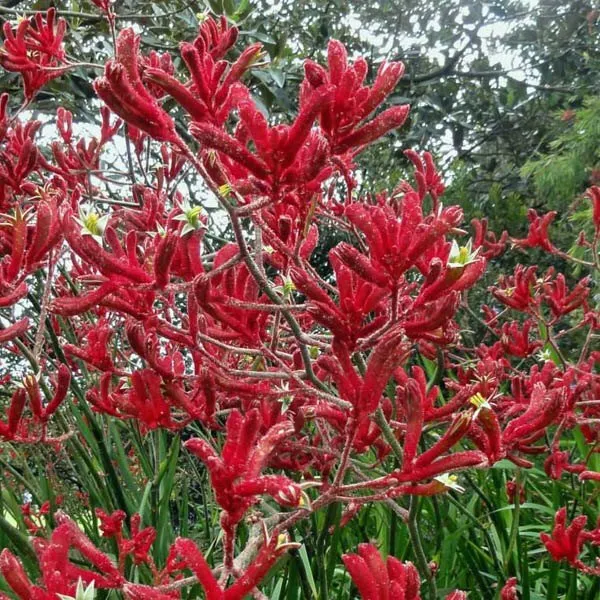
x=193, y=558
x=19, y=241
x=165, y=252
x=456, y=431
x=63, y=381
x=270, y=551
x=13, y=331
x=13, y=297
x=179, y=92
x=560, y=300
x=379, y=580
x=388, y=76
x=593, y=194
x=123, y=92
x=13, y=572
x=538, y=231
x=509, y=590
x=15, y=411
x=33, y=391
x=566, y=542
x=134, y=591
x=46, y=233
x=544, y=407
x=35, y=50
x=212, y=137
x=389, y=119
x=76, y=305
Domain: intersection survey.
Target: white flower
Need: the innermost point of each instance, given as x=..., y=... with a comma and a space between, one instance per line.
x=450, y=482
x=190, y=216
x=461, y=256
x=544, y=355
x=81, y=593
x=92, y=222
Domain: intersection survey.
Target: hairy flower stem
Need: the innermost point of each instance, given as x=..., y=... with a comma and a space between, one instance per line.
x=417, y=545
x=350, y=435
x=255, y=269
x=388, y=434
x=514, y=532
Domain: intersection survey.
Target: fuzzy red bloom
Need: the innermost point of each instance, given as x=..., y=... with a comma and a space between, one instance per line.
x=487, y=240
x=509, y=590
x=560, y=299
x=123, y=92
x=567, y=541
x=377, y=579
x=35, y=50
x=516, y=290
x=517, y=341
x=236, y=474
x=538, y=231
x=593, y=194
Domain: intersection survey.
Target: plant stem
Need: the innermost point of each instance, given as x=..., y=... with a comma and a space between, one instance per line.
x=417, y=545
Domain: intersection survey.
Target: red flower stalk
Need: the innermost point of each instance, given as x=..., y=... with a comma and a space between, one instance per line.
x=235, y=475
x=538, y=232
x=516, y=341
x=593, y=194
x=486, y=240
x=560, y=300
x=377, y=579
x=516, y=291
x=509, y=590
x=14, y=331
x=35, y=50
x=123, y=92
x=567, y=542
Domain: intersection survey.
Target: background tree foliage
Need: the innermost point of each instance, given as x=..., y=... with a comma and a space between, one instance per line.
x=487, y=81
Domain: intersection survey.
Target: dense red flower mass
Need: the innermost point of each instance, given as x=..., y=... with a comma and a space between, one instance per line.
x=293, y=384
